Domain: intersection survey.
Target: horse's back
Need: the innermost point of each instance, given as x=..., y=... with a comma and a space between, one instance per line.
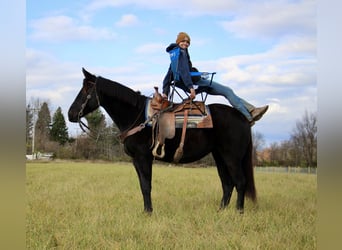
x=230, y=127
x=224, y=117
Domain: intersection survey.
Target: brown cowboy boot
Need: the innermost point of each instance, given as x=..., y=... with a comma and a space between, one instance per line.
x=257, y=113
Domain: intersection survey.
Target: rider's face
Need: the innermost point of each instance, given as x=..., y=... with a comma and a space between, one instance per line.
x=184, y=44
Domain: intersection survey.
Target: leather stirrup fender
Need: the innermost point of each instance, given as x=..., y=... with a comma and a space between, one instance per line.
x=179, y=152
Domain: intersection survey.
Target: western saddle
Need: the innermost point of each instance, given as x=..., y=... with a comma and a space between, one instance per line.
x=166, y=116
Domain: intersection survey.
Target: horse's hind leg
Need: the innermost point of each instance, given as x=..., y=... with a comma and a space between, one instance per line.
x=231, y=175
x=226, y=180
x=240, y=184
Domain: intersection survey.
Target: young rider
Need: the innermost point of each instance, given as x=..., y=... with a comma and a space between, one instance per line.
x=187, y=83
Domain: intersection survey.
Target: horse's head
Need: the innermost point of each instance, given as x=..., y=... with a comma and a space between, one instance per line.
x=87, y=100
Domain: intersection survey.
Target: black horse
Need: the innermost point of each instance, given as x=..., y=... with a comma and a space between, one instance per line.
x=229, y=140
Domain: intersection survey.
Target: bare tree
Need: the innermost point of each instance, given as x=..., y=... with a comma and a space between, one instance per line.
x=274, y=154
x=258, y=144
x=304, y=137
x=32, y=109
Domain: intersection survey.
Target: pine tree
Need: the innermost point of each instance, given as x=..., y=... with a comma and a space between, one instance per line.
x=59, y=130
x=42, y=128
x=93, y=145
x=96, y=122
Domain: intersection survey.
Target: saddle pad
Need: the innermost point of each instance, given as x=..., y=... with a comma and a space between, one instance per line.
x=195, y=119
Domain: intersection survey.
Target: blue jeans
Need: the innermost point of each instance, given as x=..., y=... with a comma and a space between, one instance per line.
x=218, y=89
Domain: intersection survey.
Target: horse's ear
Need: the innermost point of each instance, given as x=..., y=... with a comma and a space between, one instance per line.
x=86, y=73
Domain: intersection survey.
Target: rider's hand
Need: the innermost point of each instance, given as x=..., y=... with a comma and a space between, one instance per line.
x=192, y=93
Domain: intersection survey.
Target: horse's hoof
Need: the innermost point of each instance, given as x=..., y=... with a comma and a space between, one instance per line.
x=221, y=208
x=148, y=211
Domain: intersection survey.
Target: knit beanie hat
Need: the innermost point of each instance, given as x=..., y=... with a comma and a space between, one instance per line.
x=182, y=36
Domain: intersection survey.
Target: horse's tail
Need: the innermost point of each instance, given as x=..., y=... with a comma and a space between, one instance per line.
x=249, y=173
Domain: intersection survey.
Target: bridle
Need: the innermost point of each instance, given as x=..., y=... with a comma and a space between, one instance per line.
x=123, y=135
x=80, y=122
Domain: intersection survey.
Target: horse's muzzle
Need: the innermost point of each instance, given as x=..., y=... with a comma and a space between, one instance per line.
x=73, y=116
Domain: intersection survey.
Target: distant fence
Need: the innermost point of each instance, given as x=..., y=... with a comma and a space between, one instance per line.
x=287, y=170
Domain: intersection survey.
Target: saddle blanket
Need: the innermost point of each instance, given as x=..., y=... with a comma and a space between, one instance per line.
x=196, y=118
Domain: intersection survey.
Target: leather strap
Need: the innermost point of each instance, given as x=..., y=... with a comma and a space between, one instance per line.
x=179, y=152
x=130, y=132
x=185, y=123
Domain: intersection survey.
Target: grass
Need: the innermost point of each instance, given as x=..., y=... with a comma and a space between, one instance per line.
x=99, y=206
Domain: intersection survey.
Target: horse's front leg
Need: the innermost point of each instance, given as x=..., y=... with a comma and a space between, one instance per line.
x=143, y=167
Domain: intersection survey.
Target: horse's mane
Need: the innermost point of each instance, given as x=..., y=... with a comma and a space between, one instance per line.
x=120, y=92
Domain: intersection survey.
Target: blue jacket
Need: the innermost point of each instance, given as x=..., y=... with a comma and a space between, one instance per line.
x=184, y=68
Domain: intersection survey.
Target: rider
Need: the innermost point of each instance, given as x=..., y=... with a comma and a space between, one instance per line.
x=184, y=67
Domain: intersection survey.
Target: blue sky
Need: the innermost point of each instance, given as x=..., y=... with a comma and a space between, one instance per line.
x=264, y=50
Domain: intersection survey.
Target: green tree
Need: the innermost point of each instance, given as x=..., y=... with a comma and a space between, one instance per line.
x=96, y=123
x=29, y=129
x=59, y=130
x=89, y=146
x=42, y=128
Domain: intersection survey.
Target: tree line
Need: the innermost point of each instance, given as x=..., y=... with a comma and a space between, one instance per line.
x=49, y=134
x=300, y=150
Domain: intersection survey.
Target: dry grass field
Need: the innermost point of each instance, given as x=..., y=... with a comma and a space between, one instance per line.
x=99, y=206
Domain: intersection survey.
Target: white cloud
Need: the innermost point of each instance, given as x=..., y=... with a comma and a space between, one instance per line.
x=273, y=19
x=127, y=21
x=283, y=77
x=64, y=28
x=44, y=70
x=285, y=110
x=290, y=63
x=297, y=46
x=194, y=6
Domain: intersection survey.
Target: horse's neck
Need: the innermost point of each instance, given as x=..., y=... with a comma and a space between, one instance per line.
x=123, y=117
x=123, y=113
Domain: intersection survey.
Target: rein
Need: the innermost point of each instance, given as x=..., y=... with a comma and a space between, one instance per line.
x=131, y=131
x=141, y=126
x=80, y=122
